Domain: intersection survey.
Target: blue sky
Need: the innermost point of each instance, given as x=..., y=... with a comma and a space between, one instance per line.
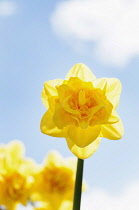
x=39, y=42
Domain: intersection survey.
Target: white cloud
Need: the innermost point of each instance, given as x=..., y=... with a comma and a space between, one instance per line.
x=98, y=199
x=7, y=8
x=111, y=26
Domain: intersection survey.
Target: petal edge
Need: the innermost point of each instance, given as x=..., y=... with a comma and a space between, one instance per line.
x=85, y=152
x=48, y=127
x=112, y=131
x=81, y=71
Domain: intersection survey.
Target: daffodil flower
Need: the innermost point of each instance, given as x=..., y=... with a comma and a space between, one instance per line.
x=82, y=109
x=15, y=175
x=54, y=183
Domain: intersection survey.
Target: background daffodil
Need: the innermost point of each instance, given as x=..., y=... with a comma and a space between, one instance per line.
x=15, y=175
x=54, y=183
x=82, y=109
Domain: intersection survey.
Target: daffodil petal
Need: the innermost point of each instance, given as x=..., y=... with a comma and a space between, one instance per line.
x=114, y=118
x=45, y=99
x=84, y=152
x=63, y=92
x=48, y=127
x=81, y=71
x=53, y=158
x=50, y=90
x=83, y=137
x=51, y=101
x=66, y=106
x=112, y=131
x=112, y=88
x=100, y=83
x=113, y=91
x=50, y=87
x=62, y=118
x=76, y=84
x=16, y=149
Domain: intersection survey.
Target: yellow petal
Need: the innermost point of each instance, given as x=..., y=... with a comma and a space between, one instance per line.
x=112, y=131
x=16, y=149
x=81, y=98
x=114, y=118
x=45, y=99
x=84, y=152
x=14, y=154
x=50, y=90
x=112, y=88
x=62, y=118
x=83, y=137
x=81, y=71
x=51, y=102
x=76, y=84
x=53, y=159
x=63, y=91
x=66, y=105
x=84, y=123
x=100, y=83
x=113, y=91
x=50, y=87
x=48, y=127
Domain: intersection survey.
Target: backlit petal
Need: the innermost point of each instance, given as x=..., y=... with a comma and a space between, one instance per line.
x=84, y=152
x=100, y=83
x=50, y=87
x=112, y=131
x=114, y=118
x=48, y=127
x=83, y=137
x=45, y=99
x=112, y=88
x=113, y=91
x=81, y=71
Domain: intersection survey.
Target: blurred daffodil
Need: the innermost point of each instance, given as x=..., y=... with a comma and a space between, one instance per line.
x=82, y=109
x=15, y=175
x=55, y=181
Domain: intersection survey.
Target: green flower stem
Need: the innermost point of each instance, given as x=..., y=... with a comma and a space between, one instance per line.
x=78, y=185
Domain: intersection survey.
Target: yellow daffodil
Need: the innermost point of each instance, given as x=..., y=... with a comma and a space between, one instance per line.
x=82, y=109
x=55, y=181
x=15, y=175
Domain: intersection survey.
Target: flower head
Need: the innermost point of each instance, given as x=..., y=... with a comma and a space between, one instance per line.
x=82, y=109
x=55, y=181
x=15, y=175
